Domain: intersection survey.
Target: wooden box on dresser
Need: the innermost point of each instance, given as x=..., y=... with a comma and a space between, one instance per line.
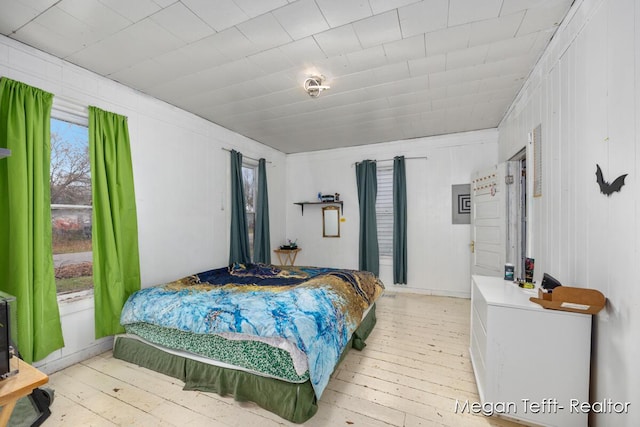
x=530, y=363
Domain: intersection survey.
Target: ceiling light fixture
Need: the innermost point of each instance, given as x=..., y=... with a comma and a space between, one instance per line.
x=313, y=85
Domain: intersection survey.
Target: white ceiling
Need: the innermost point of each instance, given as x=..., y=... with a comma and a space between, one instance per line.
x=397, y=69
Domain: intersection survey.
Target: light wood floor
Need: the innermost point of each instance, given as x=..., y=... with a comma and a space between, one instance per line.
x=414, y=368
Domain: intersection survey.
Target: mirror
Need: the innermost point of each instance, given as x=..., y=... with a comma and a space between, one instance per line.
x=331, y=221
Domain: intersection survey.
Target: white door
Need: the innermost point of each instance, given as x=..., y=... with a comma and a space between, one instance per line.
x=488, y=221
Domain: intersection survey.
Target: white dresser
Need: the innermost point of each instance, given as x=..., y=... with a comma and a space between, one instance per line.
x=530, y=363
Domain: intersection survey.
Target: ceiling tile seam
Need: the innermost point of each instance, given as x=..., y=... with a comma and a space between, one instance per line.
x=424, y=36
x=279, y=24
x=247, y=13
x=501, y=7
x=124, y=17
x=177, y=35
x=364, y=118
x=355, y=73
x=35, y=17
x=266, y=74
x=356, y=33
x=486, y=94
x=264, y=13
x=319, y=111
x=278, y=21
x=320, y=46
x=392, y=111
x=292, y=40
x=160, y=5
x=287, y=33
x=428, y=76
x=197, y=16
x=313, y=114
x=331, y=107
x=343, y=76
x=359, y=42
x=364, y=124
x=397, y=113
x=524, y=15
x=259, y=108
x=131, y=24
x=402, y=37
x=313, y=36
x=58, y=34
x=323, y=16
x=305, y=100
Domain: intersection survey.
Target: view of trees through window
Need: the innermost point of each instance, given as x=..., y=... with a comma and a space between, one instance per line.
x=71, y=206
x=249, y=181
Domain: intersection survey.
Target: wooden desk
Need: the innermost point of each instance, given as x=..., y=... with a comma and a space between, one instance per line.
x=288, y=254
x=17, y=386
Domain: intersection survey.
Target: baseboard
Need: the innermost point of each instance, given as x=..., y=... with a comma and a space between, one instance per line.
x=51, y=365
x=434, y=292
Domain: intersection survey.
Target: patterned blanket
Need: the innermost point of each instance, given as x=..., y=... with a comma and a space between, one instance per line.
x=317, y=309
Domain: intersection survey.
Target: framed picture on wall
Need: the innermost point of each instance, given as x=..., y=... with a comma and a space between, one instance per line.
x=461, y=204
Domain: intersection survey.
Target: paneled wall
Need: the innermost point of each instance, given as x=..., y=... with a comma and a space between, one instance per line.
x=438, y=251
x=585, y=93
x=181, y=181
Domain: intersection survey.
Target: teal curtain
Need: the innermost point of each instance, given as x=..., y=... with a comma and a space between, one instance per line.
x=261, y=240
x=367, y=181
x=116, y=263
x=399, y=221
x=26, y=254
x=239, y=239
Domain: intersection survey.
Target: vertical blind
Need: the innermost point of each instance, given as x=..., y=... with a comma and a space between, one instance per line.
x=384, y=210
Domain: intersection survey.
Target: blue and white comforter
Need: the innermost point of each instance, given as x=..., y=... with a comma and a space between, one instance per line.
x=317, y=309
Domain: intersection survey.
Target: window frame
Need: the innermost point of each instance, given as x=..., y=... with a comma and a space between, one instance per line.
x=77, y=114
x=253, y=165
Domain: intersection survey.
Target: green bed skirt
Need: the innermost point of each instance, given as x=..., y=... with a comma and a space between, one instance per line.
x=295, y=402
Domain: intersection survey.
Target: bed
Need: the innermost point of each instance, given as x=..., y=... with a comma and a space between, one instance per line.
x=265, y=334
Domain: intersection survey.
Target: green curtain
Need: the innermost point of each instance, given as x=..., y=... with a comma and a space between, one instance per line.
x=26, y=254
x=239, y=239
x=366, y=177
x=399, y=221
x=261, y=239
x=116, y=263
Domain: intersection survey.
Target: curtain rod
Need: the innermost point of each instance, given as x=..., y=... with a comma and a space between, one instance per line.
x=250, y=158
x=389, y=160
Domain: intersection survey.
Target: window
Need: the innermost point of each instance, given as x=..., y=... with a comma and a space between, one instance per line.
x=71, y=205
x=384, y=211
x=249, y=182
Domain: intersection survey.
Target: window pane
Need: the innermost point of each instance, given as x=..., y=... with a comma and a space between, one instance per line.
x=249, y=181
x=71, y=206
x=384, y=211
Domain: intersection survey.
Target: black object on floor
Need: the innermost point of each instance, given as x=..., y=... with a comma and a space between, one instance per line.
x=32, y=410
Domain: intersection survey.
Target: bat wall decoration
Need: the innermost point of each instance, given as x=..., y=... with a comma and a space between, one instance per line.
x=607, y=188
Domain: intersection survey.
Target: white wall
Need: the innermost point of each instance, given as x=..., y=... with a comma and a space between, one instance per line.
x=180, y=174
x=438, y=250
x=585, y=92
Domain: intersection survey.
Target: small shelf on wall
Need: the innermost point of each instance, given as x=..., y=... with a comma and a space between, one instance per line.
x=4, y=152
x=319, y=203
